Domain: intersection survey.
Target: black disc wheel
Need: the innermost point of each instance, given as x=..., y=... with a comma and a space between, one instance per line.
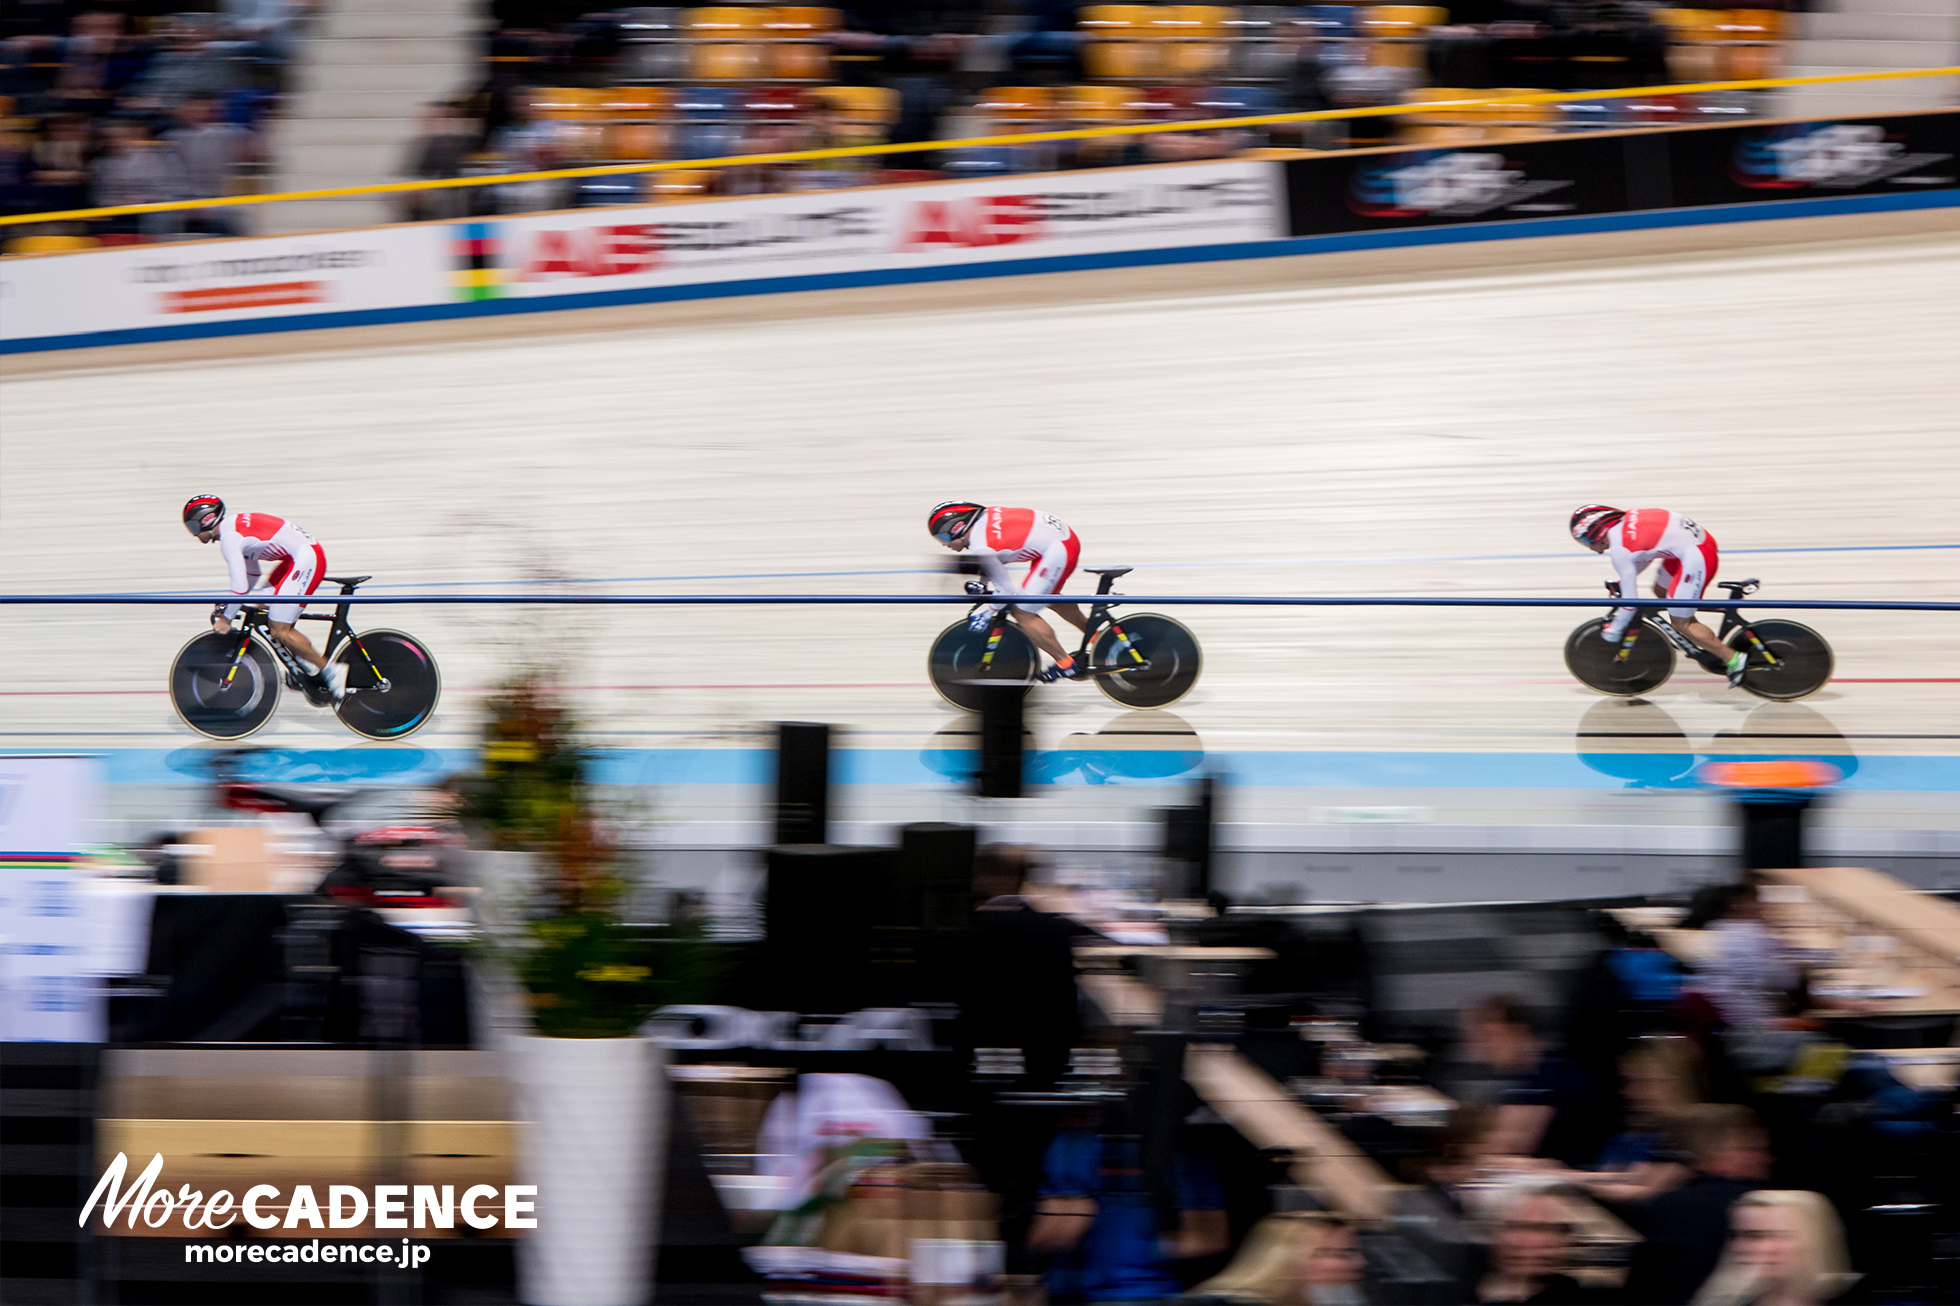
x=225, y=686
x=1786, y=660
x=1146, y=660
x=962, y=664
x=392, y=684
x=1598, y=665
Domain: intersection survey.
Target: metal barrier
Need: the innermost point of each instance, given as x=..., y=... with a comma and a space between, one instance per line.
x=913, y=147
x=881, y=600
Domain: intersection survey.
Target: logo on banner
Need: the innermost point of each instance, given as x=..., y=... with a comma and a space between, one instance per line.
x=1836, y=156
x=1458, y=184
x=473, y=251
x=975, y=222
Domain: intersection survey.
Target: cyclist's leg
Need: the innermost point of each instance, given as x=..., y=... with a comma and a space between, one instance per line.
x=1689, y=582
x=1039, y=631
x=1046, y=576
x=295, y=578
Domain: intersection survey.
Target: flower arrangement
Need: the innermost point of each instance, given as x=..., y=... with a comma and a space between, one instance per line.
x=587, y=971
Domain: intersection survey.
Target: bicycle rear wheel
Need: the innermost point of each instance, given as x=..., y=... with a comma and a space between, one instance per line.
x=1153, y=660
x=961, y=670
x=1803, y=660
x=1598, y=666
x=225, y=686
x=413, y=684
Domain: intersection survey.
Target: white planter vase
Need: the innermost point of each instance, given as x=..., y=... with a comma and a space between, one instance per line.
x=594, y=1143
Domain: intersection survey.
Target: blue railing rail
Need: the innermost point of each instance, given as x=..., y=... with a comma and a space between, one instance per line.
x=882, y=600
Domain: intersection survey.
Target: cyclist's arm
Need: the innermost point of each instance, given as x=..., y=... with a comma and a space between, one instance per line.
x=1629, y=573
x=998, y=579
x=243, y=572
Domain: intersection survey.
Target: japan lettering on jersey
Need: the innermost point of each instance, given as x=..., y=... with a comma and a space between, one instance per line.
x=1021, y=534
x=1644, y=530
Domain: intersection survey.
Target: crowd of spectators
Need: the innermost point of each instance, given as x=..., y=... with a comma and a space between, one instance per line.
x=104, y=106
x=110, y=105
x=1671, y=1136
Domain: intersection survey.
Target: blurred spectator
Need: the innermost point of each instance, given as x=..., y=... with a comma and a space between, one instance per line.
x=1024, y=966
x=135, y=168
x=1097, y=1219
x=1749, y=968
x=448, y=139
x=1661, y=1082
x=94, y=62
x=267, y=25
x=1545, y=1105
x=191, y=63
x=1684, y=1228
x=1785, y=1249
x=1306, y=1257
x=528, y=143
x=1530, y=1248
x=212, y=151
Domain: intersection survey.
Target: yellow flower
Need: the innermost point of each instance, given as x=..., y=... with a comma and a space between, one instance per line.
x=614, y=974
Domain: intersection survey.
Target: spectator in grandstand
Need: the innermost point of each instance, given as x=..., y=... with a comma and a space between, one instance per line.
x=1685, y=1228
x=1749, y=970
x=1546, y=1105
x=1178, y=147
x=1309, y=1257
x=136, y=168
x=448, y=139
x=192, y=62
x=94, y=63
x=212, y=151
x=1785, y=1248
x=528, y=143
x=266, y=26
x=1661, y=1083
x=1530, y=1249
x=59, y=162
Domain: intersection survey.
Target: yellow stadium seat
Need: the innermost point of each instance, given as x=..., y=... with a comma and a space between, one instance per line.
x=1749, y=39
x=797, y=51
x=1016, y=104
x=566, y=103
x=635, y=140
x=1098, y=104
x=1514, y=121
x=680, y=184
x=634, y=102
x=49, y=244
x=1115, y=42
x=861, y=104
x=1397, y=32
x=1693, y=52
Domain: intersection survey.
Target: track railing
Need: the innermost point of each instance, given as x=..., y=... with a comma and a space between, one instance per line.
x=890, y=600
x=1428, y=107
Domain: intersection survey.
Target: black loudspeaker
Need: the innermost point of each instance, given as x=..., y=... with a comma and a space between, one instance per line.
x=936, y=863
x=1001, y=729
x=802, y=783
x=1188, y=843
x=1772, y=829
x=818, y=909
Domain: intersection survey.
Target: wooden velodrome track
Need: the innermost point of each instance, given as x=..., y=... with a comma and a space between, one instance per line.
x=1408, y=422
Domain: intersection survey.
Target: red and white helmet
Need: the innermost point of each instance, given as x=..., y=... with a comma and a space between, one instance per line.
x=1590, y=523
x=203, y=513
x=952, y=519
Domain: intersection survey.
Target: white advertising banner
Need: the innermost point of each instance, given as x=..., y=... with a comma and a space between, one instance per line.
x=453, y=269
x=1041, y=215
x=48, y=992
x=136, y=287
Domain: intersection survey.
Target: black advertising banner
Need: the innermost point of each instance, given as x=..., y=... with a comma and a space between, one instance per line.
x=1809, y=160
x=1387, y=190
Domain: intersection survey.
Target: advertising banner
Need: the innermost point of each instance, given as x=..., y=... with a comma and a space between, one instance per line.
x=1022, y=217
x=1629, y=172
x=134, y=287
x=47, y=961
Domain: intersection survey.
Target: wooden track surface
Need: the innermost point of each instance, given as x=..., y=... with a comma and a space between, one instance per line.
x=1413, y=422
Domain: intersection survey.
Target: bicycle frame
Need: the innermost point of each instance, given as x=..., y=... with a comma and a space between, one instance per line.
x=1731, y=622
x=1099, y=620
x=254, y=620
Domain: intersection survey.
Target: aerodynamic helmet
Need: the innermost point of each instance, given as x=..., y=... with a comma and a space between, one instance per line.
x=950, y=520
x=203, y=513
x=1590, y=523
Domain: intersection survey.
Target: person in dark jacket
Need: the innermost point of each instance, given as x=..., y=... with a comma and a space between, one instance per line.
x=1685, y=1229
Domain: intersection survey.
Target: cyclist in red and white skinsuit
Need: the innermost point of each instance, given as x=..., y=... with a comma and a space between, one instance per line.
x=1688, y=557
x=1004, y=538
x=298, y=565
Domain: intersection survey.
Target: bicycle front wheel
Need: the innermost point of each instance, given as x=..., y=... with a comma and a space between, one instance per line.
x=225, y=686
x=1598, y=665
x=1146, y=660
x=392, y=684
x=961, y=668
x=1803, y=661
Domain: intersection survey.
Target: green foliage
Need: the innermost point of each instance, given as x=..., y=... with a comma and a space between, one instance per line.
x=588, y=972
x=590, y=975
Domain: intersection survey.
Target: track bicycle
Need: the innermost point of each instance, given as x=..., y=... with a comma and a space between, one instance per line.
x=227, y=686
x=1142, y=660
x=1786, y=659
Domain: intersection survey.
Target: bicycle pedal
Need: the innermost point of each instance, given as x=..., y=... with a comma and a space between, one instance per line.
x=292, y=683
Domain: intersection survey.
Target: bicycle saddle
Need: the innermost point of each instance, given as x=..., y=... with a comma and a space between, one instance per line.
x=346, y=580
x=1737, y=588
x=1111, y=572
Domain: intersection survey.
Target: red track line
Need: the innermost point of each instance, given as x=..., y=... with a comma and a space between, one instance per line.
x=1901, y=680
